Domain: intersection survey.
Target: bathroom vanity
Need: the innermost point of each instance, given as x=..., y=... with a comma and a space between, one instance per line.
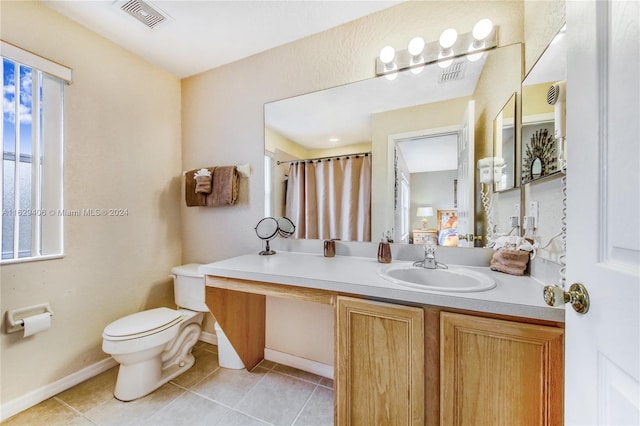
x=404, y=355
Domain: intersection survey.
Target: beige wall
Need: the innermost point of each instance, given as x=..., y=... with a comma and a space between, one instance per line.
x=122, y=150
x=223, y=121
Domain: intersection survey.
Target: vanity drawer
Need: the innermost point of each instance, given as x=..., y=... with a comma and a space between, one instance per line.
x=419, y=236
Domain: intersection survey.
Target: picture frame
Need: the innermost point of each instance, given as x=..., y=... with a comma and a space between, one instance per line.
x=539, y=151
x=448, y=228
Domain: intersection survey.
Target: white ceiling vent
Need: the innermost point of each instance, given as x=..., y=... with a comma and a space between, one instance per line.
x=150, y=15
x=454, y=72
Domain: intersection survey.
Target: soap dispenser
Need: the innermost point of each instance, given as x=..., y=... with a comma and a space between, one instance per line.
x=384, y=250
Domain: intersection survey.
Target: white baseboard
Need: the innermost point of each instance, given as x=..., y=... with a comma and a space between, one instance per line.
x=304, y=364
x=210, y=338
x=32, y=398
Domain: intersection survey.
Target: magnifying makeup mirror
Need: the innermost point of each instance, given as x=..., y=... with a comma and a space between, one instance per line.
x=286, y=228
x=267, y=230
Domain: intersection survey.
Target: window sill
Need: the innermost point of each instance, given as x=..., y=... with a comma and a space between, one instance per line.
x=31, y=259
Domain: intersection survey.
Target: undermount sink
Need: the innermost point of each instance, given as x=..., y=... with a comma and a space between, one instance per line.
x=455, y=279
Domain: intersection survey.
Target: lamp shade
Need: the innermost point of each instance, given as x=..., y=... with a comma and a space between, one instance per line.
x=424, y=211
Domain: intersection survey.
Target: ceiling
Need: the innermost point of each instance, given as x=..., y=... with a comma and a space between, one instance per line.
x=205, y=34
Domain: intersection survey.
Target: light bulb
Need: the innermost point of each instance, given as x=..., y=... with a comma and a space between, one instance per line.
x=482, y=29
x=387, y=54
x=416, y=46
x=471, y=56
x=417, y=70
x=448, y=38
x=443, y=62
x=391, y=72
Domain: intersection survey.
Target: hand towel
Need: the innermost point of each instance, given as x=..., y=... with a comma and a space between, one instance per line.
x=203, y=181
x=193, y=198
x=224, y=187
x=512, y=262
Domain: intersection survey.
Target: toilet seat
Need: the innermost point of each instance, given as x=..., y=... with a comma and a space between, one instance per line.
x=142, y=324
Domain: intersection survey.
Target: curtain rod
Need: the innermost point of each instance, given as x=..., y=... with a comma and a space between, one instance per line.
x=324, y=158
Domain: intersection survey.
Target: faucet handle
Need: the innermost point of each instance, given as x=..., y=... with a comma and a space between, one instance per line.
x=429, y=246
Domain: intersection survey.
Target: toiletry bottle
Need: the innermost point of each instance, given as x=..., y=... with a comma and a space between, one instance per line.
x=384, y=250
x=329, y=248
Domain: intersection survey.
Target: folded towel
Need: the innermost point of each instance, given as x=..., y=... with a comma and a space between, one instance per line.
x=203, y=184
x=512, y=262
x=224, y=187
x=192, y=197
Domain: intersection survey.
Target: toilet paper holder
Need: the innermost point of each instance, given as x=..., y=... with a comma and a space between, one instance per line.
x=15, y=317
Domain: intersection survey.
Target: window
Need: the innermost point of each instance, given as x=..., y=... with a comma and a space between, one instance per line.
x=31, y=179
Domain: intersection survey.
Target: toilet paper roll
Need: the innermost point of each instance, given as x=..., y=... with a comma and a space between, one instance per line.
x=36, y=323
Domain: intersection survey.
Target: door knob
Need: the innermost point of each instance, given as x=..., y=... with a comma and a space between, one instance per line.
x=577, y=296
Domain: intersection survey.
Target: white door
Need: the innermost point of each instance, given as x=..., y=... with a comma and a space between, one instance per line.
x=602, y=361
x=466, y=171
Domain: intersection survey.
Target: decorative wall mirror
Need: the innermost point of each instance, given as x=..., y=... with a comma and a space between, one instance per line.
x=540, y=148
x=369, y=116
x=504, y=146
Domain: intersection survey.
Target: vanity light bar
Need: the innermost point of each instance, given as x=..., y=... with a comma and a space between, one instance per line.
x=390, y=61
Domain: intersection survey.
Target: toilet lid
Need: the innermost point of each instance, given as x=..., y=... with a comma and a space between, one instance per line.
x=143, y=323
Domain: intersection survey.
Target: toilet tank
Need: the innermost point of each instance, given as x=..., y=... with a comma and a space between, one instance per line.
x=188, y=287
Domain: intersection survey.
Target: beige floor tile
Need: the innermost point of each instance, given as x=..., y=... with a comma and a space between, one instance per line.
x=319, y=409
x=235, y=418
x=47, y=413
x=135, y=412
x=299, y=374
x=206, y=363
x=189, y=409
x=267, y=364
x=229, y=386
x=276, y=399
x=326, y=382
x=206, y=346
x=91, y=393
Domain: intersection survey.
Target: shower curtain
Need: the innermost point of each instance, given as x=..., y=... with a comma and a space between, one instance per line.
x=331, y=198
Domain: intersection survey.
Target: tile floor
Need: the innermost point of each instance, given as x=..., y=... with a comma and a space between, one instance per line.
x=273, y=394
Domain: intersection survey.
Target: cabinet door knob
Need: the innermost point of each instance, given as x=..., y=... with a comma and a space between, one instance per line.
x=577, y=296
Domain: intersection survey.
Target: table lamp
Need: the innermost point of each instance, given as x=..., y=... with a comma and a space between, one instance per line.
x=424, y=212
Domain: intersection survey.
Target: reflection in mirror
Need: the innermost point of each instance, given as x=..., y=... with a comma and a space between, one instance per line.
x=504, y=146
x=539, y=138
x=384, y=118
x=542, y=149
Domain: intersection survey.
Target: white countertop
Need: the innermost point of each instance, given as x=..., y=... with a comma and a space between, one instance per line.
x=513, y=295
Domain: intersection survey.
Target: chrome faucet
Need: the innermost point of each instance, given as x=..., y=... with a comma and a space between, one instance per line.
x=430, y=261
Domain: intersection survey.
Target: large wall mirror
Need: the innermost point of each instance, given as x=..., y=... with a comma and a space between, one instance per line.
x=543, y=150
x=418, y=136
x=540, y=146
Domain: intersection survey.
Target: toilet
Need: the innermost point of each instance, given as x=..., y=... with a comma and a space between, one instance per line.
x=154, y=346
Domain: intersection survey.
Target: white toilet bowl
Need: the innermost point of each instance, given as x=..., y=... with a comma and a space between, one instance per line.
x=154, y=346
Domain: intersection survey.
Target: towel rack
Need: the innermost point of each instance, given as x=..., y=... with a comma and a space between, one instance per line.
x=243, y=169
x=15, y=317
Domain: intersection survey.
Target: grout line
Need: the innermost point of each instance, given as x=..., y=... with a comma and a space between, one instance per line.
x=296, y=377
x=304, y=406
x=75, y=410
x=252, y=388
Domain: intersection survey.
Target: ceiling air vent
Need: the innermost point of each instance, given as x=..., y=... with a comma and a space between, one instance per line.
x=144, y=12
x=453, y=72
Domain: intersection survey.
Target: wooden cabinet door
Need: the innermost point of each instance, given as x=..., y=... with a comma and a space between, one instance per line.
x=379, y=367
x=496, y=372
